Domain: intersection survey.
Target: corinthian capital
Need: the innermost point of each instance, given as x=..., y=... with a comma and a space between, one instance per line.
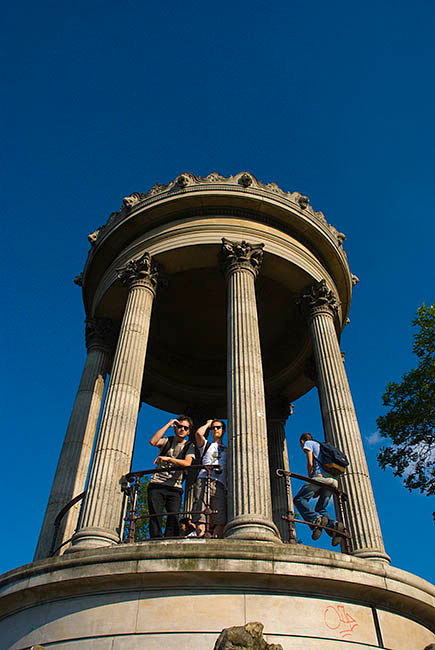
x=101, y=333
x=236, y=255
x=143, y=270
x=318, y=298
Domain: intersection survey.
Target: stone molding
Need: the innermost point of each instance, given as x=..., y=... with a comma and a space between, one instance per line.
x=100, y=333
x=247, y=563
x=144, y=271
x=188, y=182
x=317, y=299
x=237, y=256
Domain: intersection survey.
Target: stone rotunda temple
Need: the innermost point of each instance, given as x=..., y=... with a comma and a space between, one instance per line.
x=221, y=296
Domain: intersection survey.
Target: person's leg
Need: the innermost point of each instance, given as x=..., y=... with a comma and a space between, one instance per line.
x=218, y=502
x=302, y=502
x=156, y=501
x=173, y=505
x=322, y=503
x=323, y=500
x=199, y=506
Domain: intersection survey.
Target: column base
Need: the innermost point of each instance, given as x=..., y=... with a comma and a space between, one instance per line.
x=88, y=538
x=372, y=554
x=253, y=528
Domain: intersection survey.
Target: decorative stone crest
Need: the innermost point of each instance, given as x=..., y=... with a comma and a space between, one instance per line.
x=237, y=181
x=100, y=332
x=318, y=298
x=183, y=180
x=340, y=237
x=303, y=201
x=144, y=270
x=132, y=199
x=245, y=180
x=78, y=280
x=355, y=279
x=237, y=255
x=93, y=236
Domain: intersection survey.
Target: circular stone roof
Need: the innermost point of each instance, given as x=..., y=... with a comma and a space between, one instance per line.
x=188, y=325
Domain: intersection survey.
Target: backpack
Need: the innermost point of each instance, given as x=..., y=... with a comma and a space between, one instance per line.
x=332, y=459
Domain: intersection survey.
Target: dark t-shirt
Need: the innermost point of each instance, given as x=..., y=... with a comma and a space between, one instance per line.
x=172, y=479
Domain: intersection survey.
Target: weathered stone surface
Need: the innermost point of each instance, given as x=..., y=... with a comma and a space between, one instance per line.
x=92, y=598
x=340, y=422
x=278, y=410
x=73, y=465
x=100, y=521
x=249, y=497
x=248, y=637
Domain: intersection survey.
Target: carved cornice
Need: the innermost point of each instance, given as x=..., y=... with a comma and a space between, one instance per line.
x=100, y=333
x=239, y=255
x=318, y=298
x=143, y=270
x=188, y=182
x=278, y=408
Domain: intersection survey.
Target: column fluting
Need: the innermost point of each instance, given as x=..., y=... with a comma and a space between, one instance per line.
x=101, y=518
x=73, y=465
x=249, y=497
x=278, y=410
x=340, y=422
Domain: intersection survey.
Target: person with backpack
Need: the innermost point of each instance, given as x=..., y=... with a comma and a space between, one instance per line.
x=211, y=452
x=316, y=470
x=165, y=489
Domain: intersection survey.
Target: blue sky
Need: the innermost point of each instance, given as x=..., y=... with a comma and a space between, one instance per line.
x=334, y=100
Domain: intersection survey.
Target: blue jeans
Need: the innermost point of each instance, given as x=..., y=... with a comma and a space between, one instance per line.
x=306, y=494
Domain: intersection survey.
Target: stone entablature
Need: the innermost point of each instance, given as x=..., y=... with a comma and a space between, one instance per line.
x=241, y=195
x=187, y=183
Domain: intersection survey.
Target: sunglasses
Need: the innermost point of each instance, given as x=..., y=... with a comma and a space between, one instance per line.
x=182, y=426
x=216, y=427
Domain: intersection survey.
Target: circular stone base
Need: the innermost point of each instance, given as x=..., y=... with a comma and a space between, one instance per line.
x=181, y=594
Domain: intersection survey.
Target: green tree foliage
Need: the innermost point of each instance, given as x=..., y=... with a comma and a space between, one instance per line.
x=410, y=421
x=142, y=529
x=142, y=525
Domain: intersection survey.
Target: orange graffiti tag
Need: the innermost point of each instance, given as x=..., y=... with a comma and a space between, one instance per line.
x=336, y=618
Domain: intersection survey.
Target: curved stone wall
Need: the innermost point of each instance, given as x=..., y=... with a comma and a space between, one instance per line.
x=182, y=594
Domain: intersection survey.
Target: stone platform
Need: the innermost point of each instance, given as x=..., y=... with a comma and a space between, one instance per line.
x=181, y=594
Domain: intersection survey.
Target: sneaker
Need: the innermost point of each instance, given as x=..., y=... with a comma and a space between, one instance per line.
x=337, y=537
x=320, y=521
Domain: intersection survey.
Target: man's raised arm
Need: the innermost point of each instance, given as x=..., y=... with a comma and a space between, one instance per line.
x=200, y=434
x=155, y=440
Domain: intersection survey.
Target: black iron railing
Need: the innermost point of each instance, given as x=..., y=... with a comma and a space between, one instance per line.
x=131, y=486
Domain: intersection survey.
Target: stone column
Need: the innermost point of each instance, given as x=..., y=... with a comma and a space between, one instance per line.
x=278, y=410
x=101, y=519
x=340, y=422
x=249, y=498
x=72, y=468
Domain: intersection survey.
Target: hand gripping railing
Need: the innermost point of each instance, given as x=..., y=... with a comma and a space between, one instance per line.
x=340, y=498
x=130, y=486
